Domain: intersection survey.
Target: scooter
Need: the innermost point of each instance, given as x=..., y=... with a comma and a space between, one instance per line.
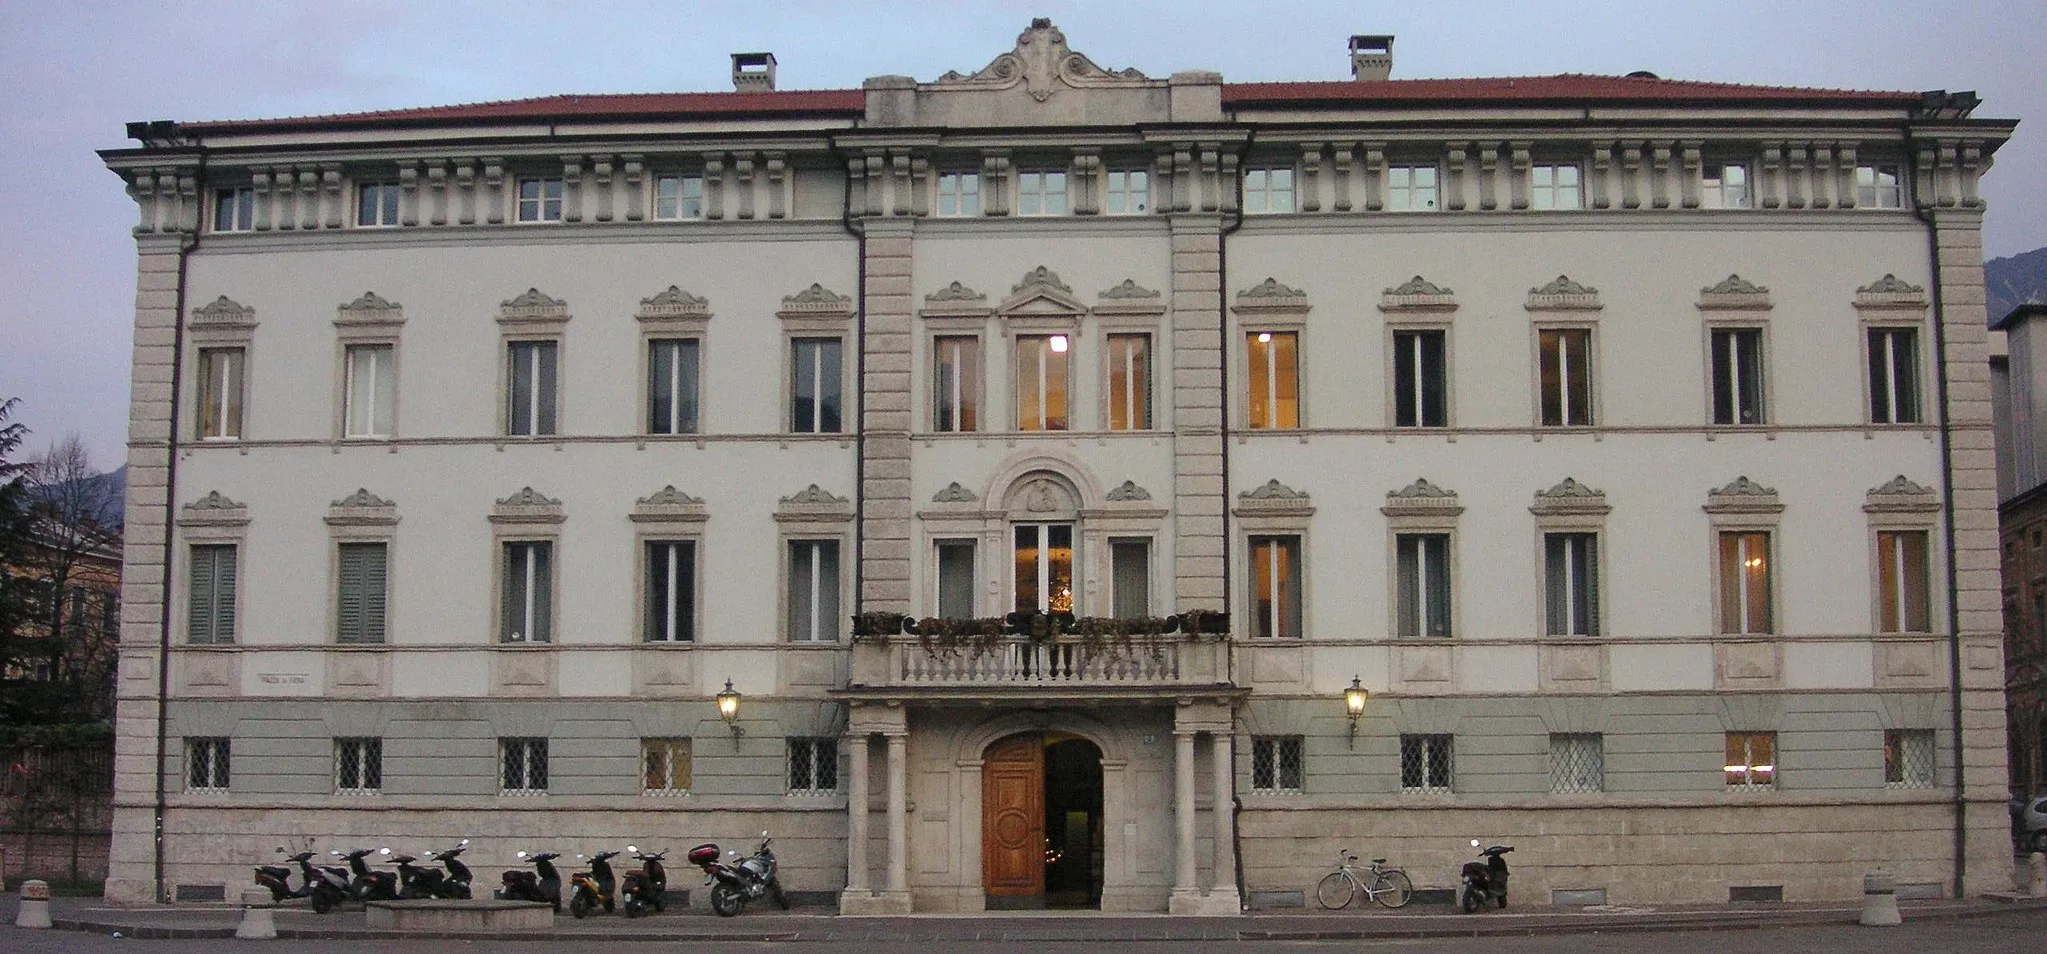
x=591, y=888
x=542, y=884
x=456, y=884
x=644, y=886
x=367, y=884
x=735, y=883
x=277, y=878
x=1486, y=879
x=417, y=882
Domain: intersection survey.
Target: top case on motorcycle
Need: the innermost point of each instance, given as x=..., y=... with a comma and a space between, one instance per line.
x=703, y=854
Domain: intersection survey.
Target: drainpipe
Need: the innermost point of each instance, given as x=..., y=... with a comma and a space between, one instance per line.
x=859, y=387
x=186, y=246
x=1222, y=321
x=1947, y=508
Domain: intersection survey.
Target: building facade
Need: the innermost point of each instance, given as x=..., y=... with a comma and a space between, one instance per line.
x=1034, y=457
x=2017, y=392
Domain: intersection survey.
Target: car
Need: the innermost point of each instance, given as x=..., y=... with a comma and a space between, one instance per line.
x=2032, y=825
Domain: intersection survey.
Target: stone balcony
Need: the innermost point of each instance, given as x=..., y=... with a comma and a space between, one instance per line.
x=1066, y=667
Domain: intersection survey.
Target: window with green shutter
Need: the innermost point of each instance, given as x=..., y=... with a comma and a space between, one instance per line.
x=359, y=614
x=211, y=600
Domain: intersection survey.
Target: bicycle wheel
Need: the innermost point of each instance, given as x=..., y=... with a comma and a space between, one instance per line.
x=1392, y=888
x=1335, y=891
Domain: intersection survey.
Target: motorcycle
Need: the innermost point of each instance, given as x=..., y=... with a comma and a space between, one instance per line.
x=734, y=884
x=456, y=883
x=644, y=886
x=591, y=888
x=542, y=884
x=366, y=884
x=1485, y=879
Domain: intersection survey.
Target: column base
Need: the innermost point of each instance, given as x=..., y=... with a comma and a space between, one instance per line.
x=1192, y=903
x=874, y=902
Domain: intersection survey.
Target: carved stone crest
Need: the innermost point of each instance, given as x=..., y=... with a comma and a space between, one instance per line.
x=674, y=303
x=1271, y=296
x=1570, y=497
x=956, y=292
x=1563, y=293
x=363, y=498
x=372, y=307
x=1041, y=276
x=1042, y=63
x=816, y=301
x=813, y=494
x=1417, y=294
x=668, y=504
x=1128, y=490
x=1892, y=291
x=954, y=493
x=814, y=503
x=1734, y=292
x=1742, y=495
x=362, y=508
x=214, y=500
x=1901, y=494
x=224, y=311
x=1129, y=289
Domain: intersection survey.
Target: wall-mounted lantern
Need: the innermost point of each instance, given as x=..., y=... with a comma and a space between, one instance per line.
x=1354, y=706
x=728, y=708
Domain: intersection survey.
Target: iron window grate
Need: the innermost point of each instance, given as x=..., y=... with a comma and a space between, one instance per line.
x=1577, y=763
x=524, y=766
x=1425, y=764
x=668, y=765
x=359, y=766
x=813, y=766
x=1908, y=758
x=1276, y=765
x=207, y=769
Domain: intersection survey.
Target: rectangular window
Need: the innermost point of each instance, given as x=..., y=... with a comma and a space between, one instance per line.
x=1902, y=581
x=1577, y=763
x=206, y=763
x=1411, y=189
x=1129, y=192
x=1745, y=582
x=1421, y=379
x=671, y=598
x=1275, y=382
x=220, y=393
x=1423, y=567
x=1276, y=586
x=1571, y=583
x=523, y=762
x=1566, y=376
x=372, y=391
x=956, y=579
x=1554, y=187
x=959, y=193
x=1042, y=366
x=1043, y=563
x=667, y=766
x=813, y=591
x=361, y=569
x=1130, y=578
x=1737, y=376
x=1268, y=190
x=813, y=766
x=1751, y=759
x=1276, y=764
x=1041, y=193
x=1425, y=764
x=956, y=384
x=679, y=197
x=815, y=367
x=234, y=210
x=358, y=766
x=376, y=204
x=210, y=605
x=1908, y=758
x=1894, y=375
x=528, y=612
x=530, y=385
x=1129, y=385
x=540, y=200
x=672, y=385
x=1725, y=187
x=1879, y=187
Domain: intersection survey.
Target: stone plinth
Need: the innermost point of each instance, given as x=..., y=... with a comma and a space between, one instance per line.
x=477, y=915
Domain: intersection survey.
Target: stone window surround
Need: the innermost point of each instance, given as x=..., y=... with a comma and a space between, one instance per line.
x=1421, y=508
x=817, y=312
x=668, y=516
x=211, y=520
x=1901, y=504
x=223, y=323
x=1883, y=304
x=361, y=517
x=1017, y=327
x=1270, y=306
x=813, y=514
x=369, y=320
x=1268, y=510
x=1563, y=304
x=1419, y=305
x=1744, y=506
x=954, y=311
x=1131, y=309
x=1125, y=512
x=525, y=517
x=532, y=316
x=1570, y=507
x=1735, y=304
x=667, y=315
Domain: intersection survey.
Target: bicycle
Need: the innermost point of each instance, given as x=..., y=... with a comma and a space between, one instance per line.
x=1388, y=886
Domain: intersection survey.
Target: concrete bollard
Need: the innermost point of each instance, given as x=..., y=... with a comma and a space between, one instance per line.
x=35, y=905
x=2038, y=862
x=258, y=920
x=1880, y=899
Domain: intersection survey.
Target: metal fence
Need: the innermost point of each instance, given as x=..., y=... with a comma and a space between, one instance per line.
x=56, y=811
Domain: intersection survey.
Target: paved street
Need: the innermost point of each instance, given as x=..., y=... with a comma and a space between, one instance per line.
x=2002, y=933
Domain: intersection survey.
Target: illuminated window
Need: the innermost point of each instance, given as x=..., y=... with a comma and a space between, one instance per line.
x=1276, y=586
x=220, y=393
x=1745, y=582
x=956, y=384
x=667, y=765
x=1274, y=399
x=1042, y=373
x=1751, y=759
x=1902, y=581
x=1566, y=368
x=1043, y=561
x=1129, y=384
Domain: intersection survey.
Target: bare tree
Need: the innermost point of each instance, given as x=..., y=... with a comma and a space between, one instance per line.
x=74, y=554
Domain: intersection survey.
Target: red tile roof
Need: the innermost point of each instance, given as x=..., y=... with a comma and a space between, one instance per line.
x=1563, y=88
x=608, y=106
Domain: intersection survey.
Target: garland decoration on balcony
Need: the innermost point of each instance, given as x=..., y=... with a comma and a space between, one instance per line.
x=945, y=636
x=942, y=636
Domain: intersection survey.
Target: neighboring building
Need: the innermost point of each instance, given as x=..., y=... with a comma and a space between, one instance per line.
x=2018, y=377
x=501, y=438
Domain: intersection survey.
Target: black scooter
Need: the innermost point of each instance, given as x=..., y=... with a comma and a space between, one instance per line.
x=542, y=884
x=456, y=884
x=1486, y=879
x=277, y=878
x=644, y=886
x=367, y=884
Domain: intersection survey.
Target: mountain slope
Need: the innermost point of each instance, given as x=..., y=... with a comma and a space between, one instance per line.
x=2008, y=282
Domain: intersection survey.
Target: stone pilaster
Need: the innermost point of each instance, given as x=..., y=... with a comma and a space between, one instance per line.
x=1198, y=573
x=885, y=414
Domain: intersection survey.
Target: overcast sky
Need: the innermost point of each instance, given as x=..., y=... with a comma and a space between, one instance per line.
x=74, y=71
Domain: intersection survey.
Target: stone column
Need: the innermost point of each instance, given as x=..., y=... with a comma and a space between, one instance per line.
x=899, y=820
x=1184, y=886
x=1225, y=888
x=856, y=817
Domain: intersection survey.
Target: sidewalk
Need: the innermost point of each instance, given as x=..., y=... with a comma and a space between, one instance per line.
x=215, y=920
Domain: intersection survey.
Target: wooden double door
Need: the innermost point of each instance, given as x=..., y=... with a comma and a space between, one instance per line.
x=1019, y=803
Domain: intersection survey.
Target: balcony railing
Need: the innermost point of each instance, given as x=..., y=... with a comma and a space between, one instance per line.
x=1040, y=651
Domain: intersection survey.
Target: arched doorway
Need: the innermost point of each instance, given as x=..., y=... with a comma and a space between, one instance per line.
x=1041, y=822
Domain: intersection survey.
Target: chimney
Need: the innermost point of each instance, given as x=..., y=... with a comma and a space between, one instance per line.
x=1371, y=57
x=753, y=72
